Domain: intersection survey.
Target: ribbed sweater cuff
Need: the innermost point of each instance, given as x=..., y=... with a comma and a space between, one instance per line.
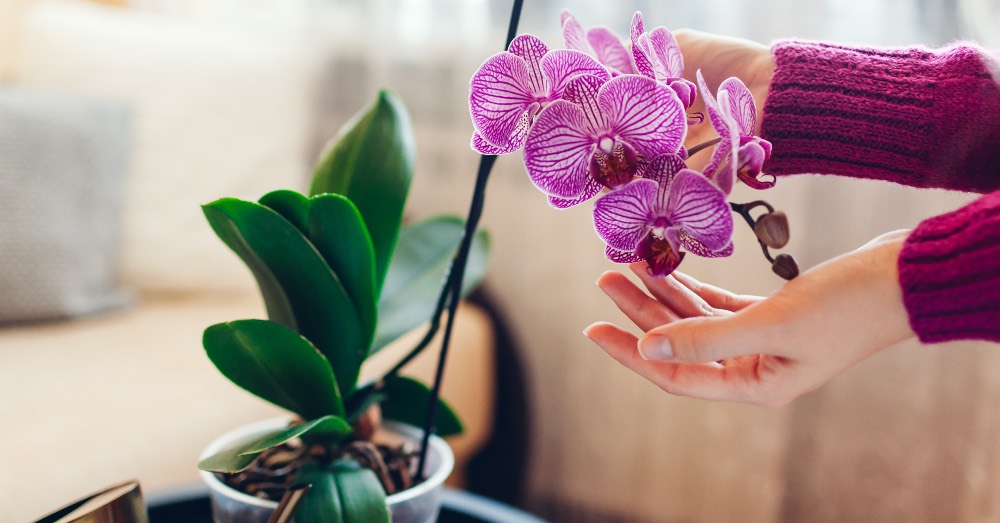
x=949, y=270
x=913, y=116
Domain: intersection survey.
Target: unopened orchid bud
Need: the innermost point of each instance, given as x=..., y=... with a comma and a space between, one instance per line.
x=772, y=229
x=785, y=266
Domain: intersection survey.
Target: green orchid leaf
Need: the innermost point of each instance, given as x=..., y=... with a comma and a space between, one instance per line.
x=291, y=205
x=327, y=428
x=234, y=458
x=299, y=288
x=371, y=162
x=342, y=493
x=276, y=364
x=418, y=269
x=338, y=232
x=239, y=456
x=406, y=401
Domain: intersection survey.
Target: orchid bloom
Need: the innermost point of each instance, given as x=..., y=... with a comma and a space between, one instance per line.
x=602, y=134
x=740, y=154
x=654, y=218
x=599, y=42
x=658, y=56
x=511, y=87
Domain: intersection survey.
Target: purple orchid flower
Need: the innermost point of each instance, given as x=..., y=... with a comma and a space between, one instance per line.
x=657, y=222
x=740, y=154
x=602, y=134
x=599, y=42
x=511, y=87
x=658, y=56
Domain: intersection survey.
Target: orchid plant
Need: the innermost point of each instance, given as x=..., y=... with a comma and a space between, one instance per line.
x=608, y=116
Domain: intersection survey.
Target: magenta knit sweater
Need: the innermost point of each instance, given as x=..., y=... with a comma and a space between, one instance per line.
x=914, y=116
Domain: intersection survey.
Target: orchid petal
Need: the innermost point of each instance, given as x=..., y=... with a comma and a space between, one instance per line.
x=716, y=115
x=621, y=256
x=686, y=92
x=645, y=114
x=750, y=161
x=700, y=209
x=666, y=54
x=499, y=96
x=623, y=217
x=573, y=34
x=720, y=169
x=531, y=49
x=582, y=91
x=741, y=108
x=481, y=146
x=640, y=55
x=557, y=150
x=663, y=168
x=610, y=51
x=589, y=192
x=637, y=26
x=562, y=65
x=698, y=249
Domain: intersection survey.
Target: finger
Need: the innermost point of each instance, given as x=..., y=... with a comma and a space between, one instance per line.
x=715, y=296
x=671, y=293
x=714, y=338
x=739, y=380
x=643, y=310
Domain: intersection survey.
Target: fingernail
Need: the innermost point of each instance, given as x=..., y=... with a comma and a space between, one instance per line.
x=655, y=347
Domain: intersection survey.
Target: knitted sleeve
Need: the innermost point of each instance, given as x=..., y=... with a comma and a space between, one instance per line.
x=912, y=116
x=949, y=270
x=919, y=117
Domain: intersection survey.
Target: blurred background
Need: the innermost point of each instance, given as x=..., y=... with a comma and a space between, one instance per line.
x=118, y=118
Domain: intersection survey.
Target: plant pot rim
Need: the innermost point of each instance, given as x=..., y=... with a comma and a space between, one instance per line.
x=436, y=479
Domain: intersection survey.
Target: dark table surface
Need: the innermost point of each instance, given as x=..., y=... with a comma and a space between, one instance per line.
x=191, y=505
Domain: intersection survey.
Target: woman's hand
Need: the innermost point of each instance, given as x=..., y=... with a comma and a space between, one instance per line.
x=720, y=57
x=705, y=342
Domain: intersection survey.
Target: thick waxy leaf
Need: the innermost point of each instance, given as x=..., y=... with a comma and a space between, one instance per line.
x=276, y=364
x=299, y=289
x=406, y=401
x=343, y=493
x=417, y=272
x=338, y=232
x=291, y=205
x=371, y=163
x=239, y=456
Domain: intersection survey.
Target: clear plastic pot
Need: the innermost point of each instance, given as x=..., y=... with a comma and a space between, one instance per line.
x=419, y=504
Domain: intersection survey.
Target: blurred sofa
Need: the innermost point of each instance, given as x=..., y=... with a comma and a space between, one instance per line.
x=140, y=118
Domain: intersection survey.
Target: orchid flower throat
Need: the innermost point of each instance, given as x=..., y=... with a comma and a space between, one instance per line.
x=614, y=162
x=660, y=256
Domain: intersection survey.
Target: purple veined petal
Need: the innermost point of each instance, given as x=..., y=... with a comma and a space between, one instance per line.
x=531, y=49
x=663, y=168
x=766, y=145
x=573, y=34
x=644, y=113
x=558, y=149
x=720, y=170
x=582, y=91
x=623, y=217
x=741, y=108
x=621, y=256
x=698, y=249
x=610, y=51
x=481, y=146
x=750, y=161
x=641, y=58
x=637, y=27
x=499, y=95
x=716, y=115
x=666, y=54
x=562, y=65
x=685, y=92
x=700, y=209
x=592, y=189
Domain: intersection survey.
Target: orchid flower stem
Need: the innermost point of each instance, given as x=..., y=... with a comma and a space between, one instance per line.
x=743, y=209
x=703, y=145
x=457, y=271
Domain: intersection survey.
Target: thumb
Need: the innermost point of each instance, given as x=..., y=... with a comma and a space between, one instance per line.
x=702, y=340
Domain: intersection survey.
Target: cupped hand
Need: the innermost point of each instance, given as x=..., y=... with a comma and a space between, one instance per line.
x=705, y=342
x=720, y=57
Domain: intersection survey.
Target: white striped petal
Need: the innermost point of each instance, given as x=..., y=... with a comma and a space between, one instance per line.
x=557, y=150
x=623, y=217
x=647, y=115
